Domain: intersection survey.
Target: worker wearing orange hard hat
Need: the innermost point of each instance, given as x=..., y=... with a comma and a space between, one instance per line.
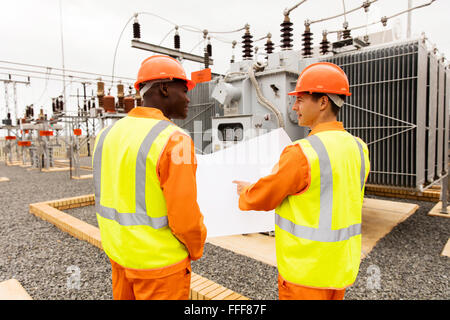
x=145, y=190
x=317, y=191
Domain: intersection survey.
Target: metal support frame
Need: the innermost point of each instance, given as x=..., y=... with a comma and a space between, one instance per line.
x=444, y=194
x=167, y=51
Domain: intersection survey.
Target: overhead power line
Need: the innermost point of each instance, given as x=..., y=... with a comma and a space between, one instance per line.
x=67, y=70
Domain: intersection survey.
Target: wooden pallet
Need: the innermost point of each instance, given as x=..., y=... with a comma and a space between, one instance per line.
x=201, y=288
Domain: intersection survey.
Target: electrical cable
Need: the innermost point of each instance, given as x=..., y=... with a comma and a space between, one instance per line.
x=52, y=79
x=364, y=5
x=385, y=19
x=115, y=51
x=59, y=69
x=45, y=87
x=345, y=13
x=54, y=74
x=165, y=37
x=260, y=97
x=288, y=11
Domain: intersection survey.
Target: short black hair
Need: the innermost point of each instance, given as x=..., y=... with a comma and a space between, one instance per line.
x=334, y=108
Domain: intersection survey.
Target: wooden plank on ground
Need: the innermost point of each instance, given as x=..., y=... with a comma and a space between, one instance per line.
x=4, y=179
x=83, y=177
x=446, y=250
x=255, y=245
x=436, y=211
x=379, y=217
x=13, y=290
x=84, y=231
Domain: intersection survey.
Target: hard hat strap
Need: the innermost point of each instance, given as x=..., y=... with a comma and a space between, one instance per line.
x=149, y=84
x=336, y=99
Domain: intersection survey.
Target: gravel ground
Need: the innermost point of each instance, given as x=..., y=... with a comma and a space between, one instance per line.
x=406, y=264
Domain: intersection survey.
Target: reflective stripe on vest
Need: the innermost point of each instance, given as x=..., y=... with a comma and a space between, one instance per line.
x=324, y=233
x=140, y=217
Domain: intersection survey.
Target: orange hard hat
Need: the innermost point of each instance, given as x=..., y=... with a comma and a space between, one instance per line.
x=162, y=67
x=322, y=77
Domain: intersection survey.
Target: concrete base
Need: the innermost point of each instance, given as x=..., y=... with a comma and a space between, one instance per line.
x=12, y=290
x=14, y=163
x=379, y=217
x=436, y=211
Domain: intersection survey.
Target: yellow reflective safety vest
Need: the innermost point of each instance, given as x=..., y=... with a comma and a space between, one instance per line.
x=130, y=205
x=318, y=232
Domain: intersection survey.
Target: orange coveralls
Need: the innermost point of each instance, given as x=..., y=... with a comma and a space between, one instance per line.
x=179, y=187
x=291, y=176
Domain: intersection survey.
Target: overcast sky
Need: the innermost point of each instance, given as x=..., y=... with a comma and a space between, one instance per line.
x=31, y=33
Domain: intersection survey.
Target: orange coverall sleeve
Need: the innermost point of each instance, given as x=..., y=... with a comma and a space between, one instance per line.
x=177, y=169
x=290, y=176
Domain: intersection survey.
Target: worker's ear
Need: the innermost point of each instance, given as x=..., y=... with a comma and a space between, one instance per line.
x=324, y=102
x=163, y=89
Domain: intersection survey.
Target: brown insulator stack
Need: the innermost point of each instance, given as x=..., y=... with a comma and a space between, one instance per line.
x=346, y=32
x=100, y=93
x=307, y=41
x=109, y=104
x=325, y=44
x=286, y=35
x=120, y=95
x=247, y=44
x=128, y=103
x=269, y=44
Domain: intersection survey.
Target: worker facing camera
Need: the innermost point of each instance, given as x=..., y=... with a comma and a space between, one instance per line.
x=317, y=191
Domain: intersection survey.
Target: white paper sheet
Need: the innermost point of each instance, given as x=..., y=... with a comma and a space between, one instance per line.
x=216, y=194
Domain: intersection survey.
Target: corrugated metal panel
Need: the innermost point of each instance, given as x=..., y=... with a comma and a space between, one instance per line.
x=440, y=120
x=432, y=98
x=201, y=110
x=388, y=110
x=445, y=156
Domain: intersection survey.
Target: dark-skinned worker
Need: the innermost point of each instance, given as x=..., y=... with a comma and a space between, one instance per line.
x=145, y=190
x=317, y=191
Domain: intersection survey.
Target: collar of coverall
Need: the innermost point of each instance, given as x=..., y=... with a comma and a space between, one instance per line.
x=327, y=126
x=148, y=112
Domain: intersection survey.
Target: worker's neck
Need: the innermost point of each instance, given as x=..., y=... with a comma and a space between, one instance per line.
x=323, y=119
x=157, y=105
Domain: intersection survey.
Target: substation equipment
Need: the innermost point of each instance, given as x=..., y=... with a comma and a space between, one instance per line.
x=34, y=140
x=399, y=104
